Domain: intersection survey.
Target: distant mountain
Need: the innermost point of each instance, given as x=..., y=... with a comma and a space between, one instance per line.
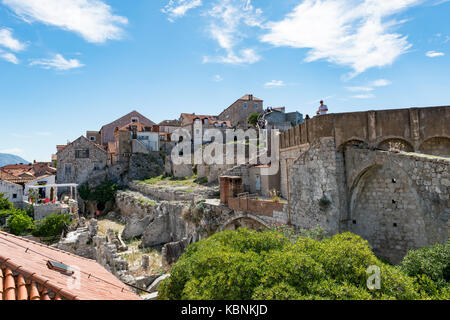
x=6, y=159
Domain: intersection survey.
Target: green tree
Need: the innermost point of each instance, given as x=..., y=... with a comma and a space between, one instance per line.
x=246, y=264
x=52, y=225
x=104, y=192
x=84, y=191
x=430, y=266
x=19, y=222
x=253, y=119
x=4, y=203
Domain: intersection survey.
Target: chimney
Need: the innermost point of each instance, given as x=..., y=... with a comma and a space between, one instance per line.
x=250, y=97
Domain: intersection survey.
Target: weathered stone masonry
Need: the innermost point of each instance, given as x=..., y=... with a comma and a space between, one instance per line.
x=395, y=200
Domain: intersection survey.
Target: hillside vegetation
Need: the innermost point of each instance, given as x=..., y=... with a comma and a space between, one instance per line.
x=245, y=264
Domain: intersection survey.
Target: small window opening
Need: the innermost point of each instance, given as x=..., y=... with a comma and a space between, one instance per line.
x=354, y=221
x=393, y=201
x=395, y=225
x=394, y=180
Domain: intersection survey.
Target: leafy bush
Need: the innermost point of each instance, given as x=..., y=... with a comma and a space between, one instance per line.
x=52, y=225
x=102, y=193
x=19, y=222
x=84, y=191
x=246, y=264
x=430, y=266
x=253, y=119
x=4, y=203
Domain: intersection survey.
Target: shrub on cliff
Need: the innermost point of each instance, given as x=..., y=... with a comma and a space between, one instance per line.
x=4, y=203
x=253, y=119
x=430, y=266
x=102, y=193
x=19, y=222
x=52, y=225
x=246, y=264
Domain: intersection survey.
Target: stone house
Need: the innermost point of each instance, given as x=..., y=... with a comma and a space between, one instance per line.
x=12, y=192
x=190, y=120
x=107, y=131
x=79, y=160
x=237, y=114
x=133, y=138
x=277, y=118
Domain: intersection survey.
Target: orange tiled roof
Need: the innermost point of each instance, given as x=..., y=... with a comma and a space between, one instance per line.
x=29, y=171
x=24, y=274
x=190, y=117
x=139, y=126
x=6, y=176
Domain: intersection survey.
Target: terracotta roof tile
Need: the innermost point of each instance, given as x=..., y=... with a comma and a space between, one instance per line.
x=24, y=270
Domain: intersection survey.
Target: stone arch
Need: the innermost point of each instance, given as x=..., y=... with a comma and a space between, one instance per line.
x=244, y=220
x=386, y=210
x=352, y=142
x=396, y=144
x=437, y=146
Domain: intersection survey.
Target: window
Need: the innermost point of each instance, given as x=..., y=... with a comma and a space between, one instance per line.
x=134, y=119
x=82, y=153
x=256, y=106
x=245, y=105
x=92, y=138
x=68, y=169
x=14, y=195
x=205, y=121
x=97, y=165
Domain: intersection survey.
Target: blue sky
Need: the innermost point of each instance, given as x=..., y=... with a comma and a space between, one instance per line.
x=67, y=66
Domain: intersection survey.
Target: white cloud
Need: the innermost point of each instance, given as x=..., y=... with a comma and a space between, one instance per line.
x=274, y=84
x=8, y=41
x=351, y=33
x=381, y=83
x=92, y=19
x=178, y=8
x=7, y=56
x=364, y=96
x=228, y=21
x=217, y=78
x=370, y=87
x=434, y=54
x=58, y=62
x=359, y=89
x=244, y=56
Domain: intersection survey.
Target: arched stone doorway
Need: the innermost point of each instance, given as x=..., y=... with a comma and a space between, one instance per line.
x=386, y=211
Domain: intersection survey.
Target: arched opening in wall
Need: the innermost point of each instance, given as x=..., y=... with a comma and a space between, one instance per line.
x=396, y=144
x=437, y=146
x=386, y=211
x=245, y=222
x=353, y=144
